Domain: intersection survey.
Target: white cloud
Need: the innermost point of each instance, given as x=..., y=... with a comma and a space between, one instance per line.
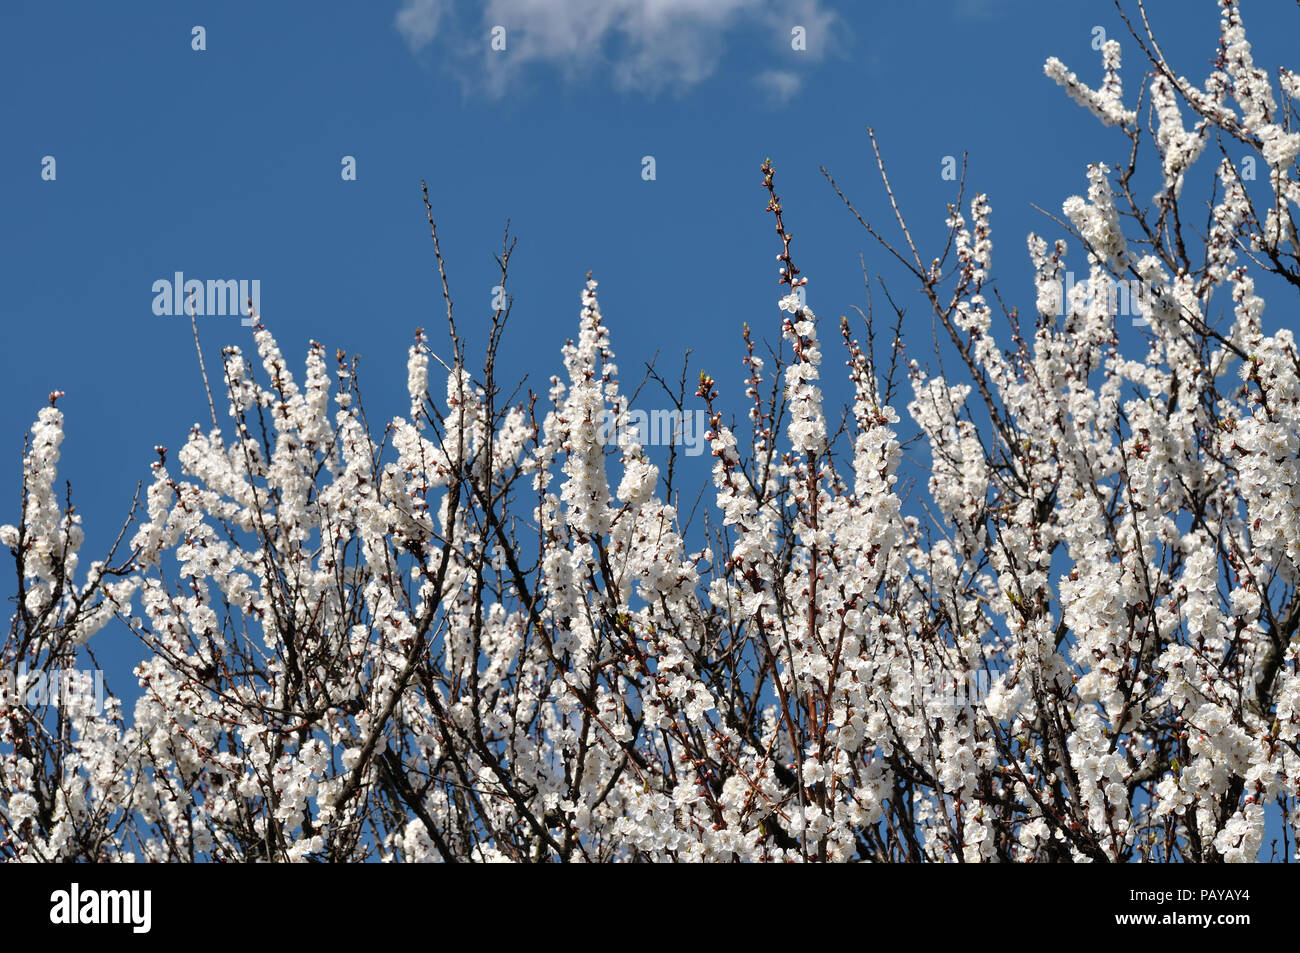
x=645, y=45
x=779, y=85
x=418, y=21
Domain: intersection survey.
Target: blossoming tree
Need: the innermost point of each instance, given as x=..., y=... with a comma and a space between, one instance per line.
x=479, y=634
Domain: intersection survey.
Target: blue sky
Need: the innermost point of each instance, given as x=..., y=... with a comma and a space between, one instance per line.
x=225, y=163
